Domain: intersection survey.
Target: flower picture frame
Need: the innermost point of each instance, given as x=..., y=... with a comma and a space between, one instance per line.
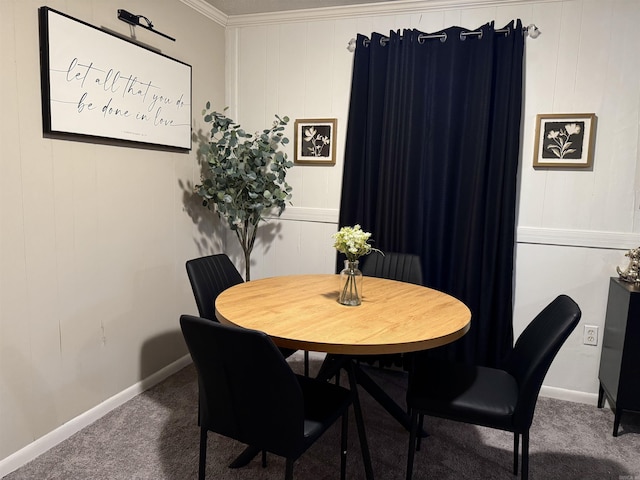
x=315, y=141
x=564, y=140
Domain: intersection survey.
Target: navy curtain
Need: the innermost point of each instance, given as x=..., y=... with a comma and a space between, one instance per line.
x=431, y=162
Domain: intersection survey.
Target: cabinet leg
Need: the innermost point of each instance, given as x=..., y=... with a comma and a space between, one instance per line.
x=616, y=421
x=600, y=397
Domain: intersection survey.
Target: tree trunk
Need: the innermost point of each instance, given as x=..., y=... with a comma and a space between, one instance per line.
x=247, y=238
x=247, y=265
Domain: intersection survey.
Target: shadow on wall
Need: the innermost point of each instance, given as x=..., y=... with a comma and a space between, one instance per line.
x=158, y=348
x=210, y=239
x=213, y=229
x=161, y=350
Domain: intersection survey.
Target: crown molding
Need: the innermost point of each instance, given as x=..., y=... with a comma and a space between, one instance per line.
x=367, y=10
x=347, y=11
x=208, y=11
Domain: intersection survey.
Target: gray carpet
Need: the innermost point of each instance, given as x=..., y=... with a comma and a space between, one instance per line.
x=155, y=437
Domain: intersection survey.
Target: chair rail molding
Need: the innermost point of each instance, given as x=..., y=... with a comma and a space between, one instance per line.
x=532, y=235
x=305, y=214
x=578, y=238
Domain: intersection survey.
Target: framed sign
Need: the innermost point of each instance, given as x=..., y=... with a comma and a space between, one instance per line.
x=98, y=85
x=564, y=140
x=315, y=141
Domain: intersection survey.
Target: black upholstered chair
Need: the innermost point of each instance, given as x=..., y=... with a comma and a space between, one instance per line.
x=209, y=277
x=250, y=394
x=394, y=266
x=505, y=398
x=403, y=267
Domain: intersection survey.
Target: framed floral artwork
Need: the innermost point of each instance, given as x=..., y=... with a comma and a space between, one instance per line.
x=315, y=141
x=564, y=140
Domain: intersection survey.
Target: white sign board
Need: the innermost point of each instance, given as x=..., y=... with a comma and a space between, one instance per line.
x=96, y=84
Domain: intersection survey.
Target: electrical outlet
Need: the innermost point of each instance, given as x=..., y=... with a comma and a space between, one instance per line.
x=590, y=336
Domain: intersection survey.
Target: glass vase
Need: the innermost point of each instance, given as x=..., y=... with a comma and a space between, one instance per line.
x=350, y=284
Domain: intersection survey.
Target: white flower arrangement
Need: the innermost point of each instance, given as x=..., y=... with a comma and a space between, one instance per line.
x=353, y=242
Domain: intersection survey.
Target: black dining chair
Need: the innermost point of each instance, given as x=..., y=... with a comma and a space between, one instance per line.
x=403, y=267
x=504, y=398
x=250, y=394
x=209, y=277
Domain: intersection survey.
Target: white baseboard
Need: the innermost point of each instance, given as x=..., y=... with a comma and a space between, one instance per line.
x=569, y=395
x=51, y=439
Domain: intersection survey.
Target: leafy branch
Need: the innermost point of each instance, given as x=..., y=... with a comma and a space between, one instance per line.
x=245, y=178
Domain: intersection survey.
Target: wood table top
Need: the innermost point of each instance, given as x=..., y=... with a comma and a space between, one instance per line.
x=302, y=312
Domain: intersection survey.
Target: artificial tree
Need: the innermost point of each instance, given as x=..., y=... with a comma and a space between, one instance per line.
x=245, y=176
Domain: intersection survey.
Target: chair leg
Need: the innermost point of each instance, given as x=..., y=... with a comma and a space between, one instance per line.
x=203, y=453
x=264, y=459
x=343, y=446
x=306, y=363
x=412, y=442
x=525, y=455
x=420, y=426
x=516, y=446
x=288, y=473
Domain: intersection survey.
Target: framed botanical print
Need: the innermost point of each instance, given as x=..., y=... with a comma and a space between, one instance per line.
x=315, y=141
x=564, y=140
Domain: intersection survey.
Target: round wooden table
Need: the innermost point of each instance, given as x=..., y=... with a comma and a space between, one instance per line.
x=302, y=312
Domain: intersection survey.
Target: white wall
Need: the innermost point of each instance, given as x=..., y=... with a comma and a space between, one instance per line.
x=573, y=227
x=93, y=237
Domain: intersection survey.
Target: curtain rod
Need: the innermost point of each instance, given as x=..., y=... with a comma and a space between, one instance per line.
x=531, y=30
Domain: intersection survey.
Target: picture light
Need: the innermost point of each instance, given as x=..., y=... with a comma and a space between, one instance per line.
x=134, y=20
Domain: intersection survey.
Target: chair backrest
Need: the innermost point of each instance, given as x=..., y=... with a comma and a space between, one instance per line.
x=248, y=391
x=394, y=266
x=210, y=276
x=535, y=350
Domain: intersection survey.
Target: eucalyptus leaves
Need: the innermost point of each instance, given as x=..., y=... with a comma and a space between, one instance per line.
x=246, y=174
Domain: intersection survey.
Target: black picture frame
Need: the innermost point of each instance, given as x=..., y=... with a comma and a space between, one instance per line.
x=97, y=86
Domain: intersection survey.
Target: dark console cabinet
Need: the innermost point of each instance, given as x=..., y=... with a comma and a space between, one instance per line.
x=620, y=359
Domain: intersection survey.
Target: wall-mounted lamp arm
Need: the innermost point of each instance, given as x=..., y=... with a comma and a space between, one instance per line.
x=134, y=20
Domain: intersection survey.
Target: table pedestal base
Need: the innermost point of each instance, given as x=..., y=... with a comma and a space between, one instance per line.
x=332, y=366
